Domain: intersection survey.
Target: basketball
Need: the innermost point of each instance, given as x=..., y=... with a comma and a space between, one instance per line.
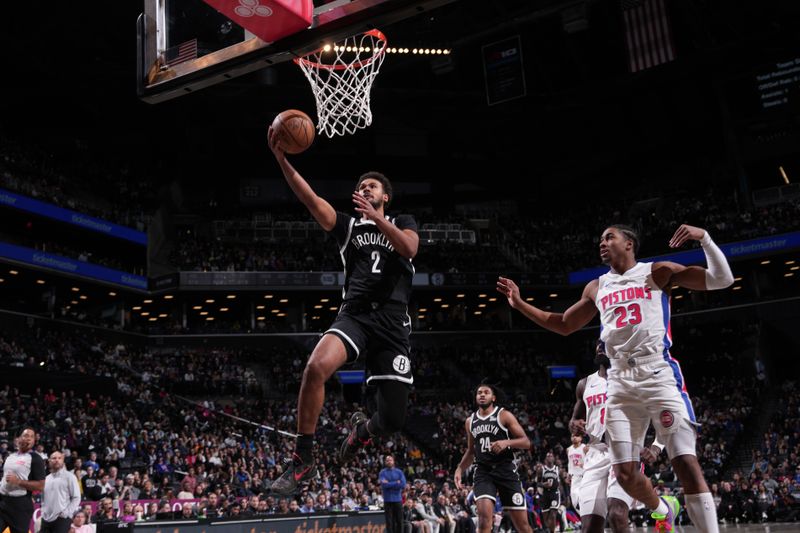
x=295, y=130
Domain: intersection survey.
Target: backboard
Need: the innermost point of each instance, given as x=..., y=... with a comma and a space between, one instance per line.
x=186, y=45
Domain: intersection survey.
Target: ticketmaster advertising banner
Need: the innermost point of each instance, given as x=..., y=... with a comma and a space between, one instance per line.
x=364, y=522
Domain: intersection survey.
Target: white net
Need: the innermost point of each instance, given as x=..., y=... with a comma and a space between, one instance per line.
x=341, y=77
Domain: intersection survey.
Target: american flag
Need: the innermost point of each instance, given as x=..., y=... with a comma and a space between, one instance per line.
x=647, y=34
x=182, y=52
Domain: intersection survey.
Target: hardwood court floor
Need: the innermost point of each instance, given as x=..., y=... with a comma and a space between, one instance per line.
x=733, y=528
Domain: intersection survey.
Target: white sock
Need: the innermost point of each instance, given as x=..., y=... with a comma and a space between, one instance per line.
x=662, y=508
x=703, y=512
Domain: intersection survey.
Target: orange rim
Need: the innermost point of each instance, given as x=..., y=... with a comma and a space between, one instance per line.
x=358, y=64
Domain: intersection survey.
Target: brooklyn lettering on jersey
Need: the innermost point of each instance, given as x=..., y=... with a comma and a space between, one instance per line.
x=596, y=399
x=485, y=428
x=372, y=238
x=626, y=295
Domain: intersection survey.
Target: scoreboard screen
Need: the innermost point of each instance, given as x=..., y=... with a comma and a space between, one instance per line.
x=772, y=88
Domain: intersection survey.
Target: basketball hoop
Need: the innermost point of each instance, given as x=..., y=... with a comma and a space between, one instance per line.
x=341, y=78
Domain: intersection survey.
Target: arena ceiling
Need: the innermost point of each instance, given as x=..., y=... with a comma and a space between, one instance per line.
x=72, y=82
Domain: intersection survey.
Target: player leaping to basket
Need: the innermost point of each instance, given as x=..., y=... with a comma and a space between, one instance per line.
x=644, y=382
x=373, y=323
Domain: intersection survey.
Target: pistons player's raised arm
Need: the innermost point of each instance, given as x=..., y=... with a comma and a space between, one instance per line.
x=570, y=321
x=577, y=424
x=319, y=208
x=468, y=457
x=717, y=275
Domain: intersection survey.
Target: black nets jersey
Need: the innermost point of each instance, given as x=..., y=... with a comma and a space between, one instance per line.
x=486, y=431
x=550, y=478
x=373, y=270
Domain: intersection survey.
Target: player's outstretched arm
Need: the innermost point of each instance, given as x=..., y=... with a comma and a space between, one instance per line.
x=577, y=424
x=467, y=458
x=570, y=321
x=717, y=275
x=320, y=209
x=519, y=440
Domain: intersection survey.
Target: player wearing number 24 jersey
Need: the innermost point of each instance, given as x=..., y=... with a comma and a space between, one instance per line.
x=645, y=383
x=492, y=435
x=373, y=323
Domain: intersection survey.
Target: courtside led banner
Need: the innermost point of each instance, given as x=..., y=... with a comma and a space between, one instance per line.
x=732, y=250
x=23, y=203
x=363, y=522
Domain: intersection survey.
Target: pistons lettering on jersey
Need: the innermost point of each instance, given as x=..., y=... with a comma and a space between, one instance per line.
x=372, y=238
x=596, y=399
x=626, y=295
x=485, y=428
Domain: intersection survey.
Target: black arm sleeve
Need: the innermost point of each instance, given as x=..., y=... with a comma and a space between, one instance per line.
x=37, y=467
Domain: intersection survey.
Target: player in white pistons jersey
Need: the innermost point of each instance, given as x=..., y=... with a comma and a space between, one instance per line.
x=600, y=495
x=645, y=383
x=575, y=456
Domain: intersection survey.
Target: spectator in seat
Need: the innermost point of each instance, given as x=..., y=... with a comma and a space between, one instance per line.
x=186, y=491
x=235, y=511
x=440, y=509
x=138, y=512
x=187, y=512
x=127, y=514
x=106, y=511
x=80, y=525
x=308, y=505
x=283, y=507
x=152, y=511
x=90, y=485
x=129, y=491
x=413, y=521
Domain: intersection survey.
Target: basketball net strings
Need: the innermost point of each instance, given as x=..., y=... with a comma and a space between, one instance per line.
x=342, y=91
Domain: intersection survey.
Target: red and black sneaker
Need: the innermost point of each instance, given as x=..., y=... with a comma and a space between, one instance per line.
x=352, y=443
x=296, y=472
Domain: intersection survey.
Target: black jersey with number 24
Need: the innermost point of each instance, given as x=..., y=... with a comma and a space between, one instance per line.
x=373, y=270
x=485, y=431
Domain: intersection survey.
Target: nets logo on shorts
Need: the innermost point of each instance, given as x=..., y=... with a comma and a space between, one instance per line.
x=516, y=499
x=401, y=364
x=667, y=419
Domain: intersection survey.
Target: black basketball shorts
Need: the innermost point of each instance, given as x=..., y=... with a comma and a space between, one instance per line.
x=550, y=499
x=501, y=480
x=16, y=513
x=377, y=335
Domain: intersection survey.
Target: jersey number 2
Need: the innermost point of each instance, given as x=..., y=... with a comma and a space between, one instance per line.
x=376, y=256
x=622, y=312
